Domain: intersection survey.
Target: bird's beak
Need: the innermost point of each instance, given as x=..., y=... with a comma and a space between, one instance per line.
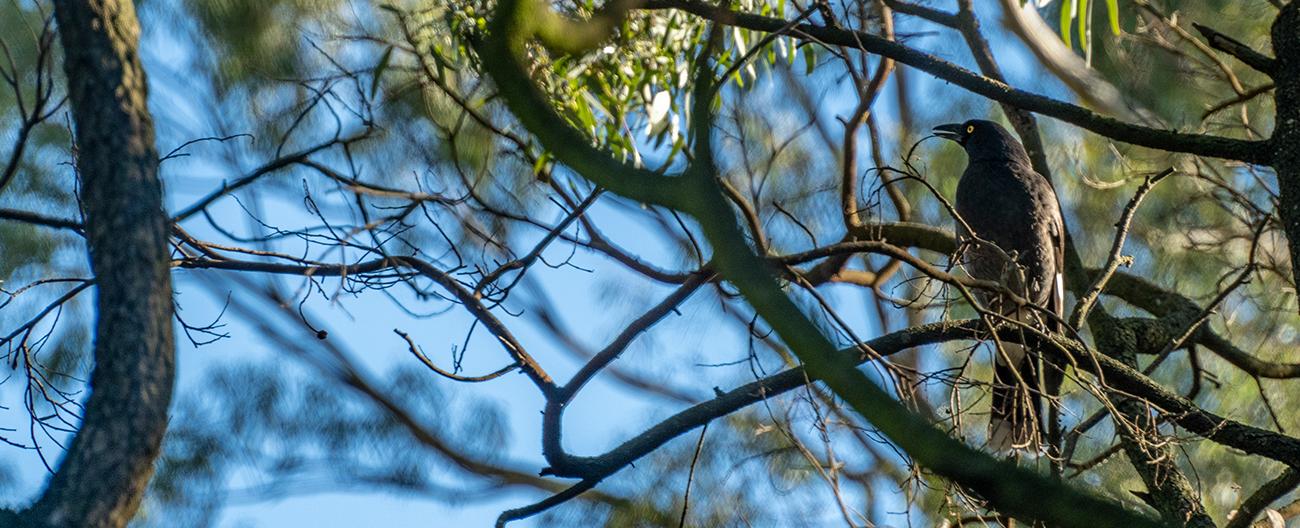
x=950, y=131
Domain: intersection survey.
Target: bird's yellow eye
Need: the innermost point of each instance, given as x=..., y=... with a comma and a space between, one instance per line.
x=970, y=129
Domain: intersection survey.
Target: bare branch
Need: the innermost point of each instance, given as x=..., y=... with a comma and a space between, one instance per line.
x=1116, y=249
x=28, y=217
x=1247, y=55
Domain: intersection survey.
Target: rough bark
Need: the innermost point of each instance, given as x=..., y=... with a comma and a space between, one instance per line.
x=1154, y=457
x=1152, y=454
x=103, y=475
x=1286, y=131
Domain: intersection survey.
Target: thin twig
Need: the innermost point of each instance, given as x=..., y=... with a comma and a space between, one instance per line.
x=690, y=476
x=1117, y=247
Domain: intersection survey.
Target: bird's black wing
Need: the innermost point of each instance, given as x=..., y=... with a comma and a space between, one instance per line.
x=1056, y=304
x=1053, y=372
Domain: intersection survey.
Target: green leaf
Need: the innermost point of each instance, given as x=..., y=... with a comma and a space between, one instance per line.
x=738, y=37
x=379, y=70
x=1083, y=25
x=657, y=111
x=541, y=163
x=1112, y=11
x=809, y=60
x=1067, y=15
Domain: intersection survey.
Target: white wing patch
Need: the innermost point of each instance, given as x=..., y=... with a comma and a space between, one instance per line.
x=1060, y=292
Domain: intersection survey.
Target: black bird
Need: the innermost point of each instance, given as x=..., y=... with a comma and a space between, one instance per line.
x=1003, y=201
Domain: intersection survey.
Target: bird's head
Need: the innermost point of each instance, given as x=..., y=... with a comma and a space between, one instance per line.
x=983, y=140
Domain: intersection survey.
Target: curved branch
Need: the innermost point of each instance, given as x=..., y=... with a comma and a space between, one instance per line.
x=104, y=474
x=1265, y=495
x=545, y=504
x=616, y=347
x=415, y=351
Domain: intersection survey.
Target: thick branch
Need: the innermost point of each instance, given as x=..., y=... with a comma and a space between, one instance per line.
x=1150, y=453
x=106, y=469
x=942, y=18
x=1244, y=360
x=696, y=193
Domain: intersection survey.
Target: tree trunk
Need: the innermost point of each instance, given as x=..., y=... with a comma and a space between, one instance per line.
x=1286, y=128
x=106, y=468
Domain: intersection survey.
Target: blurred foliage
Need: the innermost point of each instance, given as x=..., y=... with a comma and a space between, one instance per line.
x=258, y=431
x=43, y=179
x=302, y=433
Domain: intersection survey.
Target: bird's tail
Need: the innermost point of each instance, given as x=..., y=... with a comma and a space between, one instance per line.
x=1014, y=418
x=1017, y=413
